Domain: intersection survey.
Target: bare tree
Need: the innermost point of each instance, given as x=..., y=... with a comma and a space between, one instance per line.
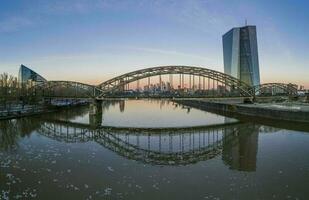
x=8, y=88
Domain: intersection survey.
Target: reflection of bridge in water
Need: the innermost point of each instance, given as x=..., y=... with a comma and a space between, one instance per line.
x=237, y=142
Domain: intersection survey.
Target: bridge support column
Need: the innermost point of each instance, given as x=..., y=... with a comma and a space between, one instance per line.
x=293, y=97
x=307, y=98
x=47, y=101
x=95, y=113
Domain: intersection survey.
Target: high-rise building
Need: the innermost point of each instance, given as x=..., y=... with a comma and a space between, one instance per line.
x=25, y=74
x=240, y=53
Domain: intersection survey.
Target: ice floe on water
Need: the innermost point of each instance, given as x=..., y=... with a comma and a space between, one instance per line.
x=107, y=191
x=110, y=169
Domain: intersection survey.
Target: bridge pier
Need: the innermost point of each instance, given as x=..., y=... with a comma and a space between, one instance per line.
x=47, y=101
x=307, y=98
x=95, y=113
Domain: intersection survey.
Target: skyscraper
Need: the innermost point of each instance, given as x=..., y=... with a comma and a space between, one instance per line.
x=25, y=74
x=240, y=53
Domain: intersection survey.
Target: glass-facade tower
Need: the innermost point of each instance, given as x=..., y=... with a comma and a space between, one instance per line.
x=25, y=74
x=240, y=54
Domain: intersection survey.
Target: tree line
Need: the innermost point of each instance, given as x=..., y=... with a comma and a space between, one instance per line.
x=13, y=92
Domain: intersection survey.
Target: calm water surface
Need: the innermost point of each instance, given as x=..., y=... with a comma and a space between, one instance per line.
x=151, y=113
x=63, y=155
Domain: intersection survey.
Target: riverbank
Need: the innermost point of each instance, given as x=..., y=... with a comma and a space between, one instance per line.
x=19, y=110
x=293, y=112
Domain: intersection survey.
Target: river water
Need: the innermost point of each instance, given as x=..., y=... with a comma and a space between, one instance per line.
x=150, y=149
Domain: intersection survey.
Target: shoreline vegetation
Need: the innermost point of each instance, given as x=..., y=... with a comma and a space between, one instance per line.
x=21, y=100
x=17, y=100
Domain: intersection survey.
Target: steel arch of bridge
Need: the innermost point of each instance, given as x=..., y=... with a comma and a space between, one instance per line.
x=89, y=91
x=288, y=88
x=120, y=81
x=102, y=90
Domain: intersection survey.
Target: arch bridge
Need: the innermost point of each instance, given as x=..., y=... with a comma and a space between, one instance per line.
x=273, y=89
x=225, y=80
x=67, y=89
x=230, y=85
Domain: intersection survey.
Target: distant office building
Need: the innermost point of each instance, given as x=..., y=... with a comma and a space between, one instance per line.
x=27, y=75
x=240, y=53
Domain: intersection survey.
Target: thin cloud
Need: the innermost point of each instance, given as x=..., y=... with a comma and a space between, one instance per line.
x=97, y=55
x=167, y=52
x=196, y=14
x=13, y=24
x=75, y=6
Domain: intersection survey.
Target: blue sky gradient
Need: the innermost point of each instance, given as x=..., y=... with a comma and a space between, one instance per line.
x=94, y=40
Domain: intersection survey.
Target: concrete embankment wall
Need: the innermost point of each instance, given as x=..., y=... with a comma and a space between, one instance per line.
x=17, y=111
x=249, y=110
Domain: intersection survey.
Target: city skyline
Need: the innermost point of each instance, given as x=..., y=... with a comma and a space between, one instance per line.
x=95, y=41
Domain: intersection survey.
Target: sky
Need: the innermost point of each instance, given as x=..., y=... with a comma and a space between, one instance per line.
x=94, y=40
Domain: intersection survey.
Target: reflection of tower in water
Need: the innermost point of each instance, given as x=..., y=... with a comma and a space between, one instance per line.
x=240, y=147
